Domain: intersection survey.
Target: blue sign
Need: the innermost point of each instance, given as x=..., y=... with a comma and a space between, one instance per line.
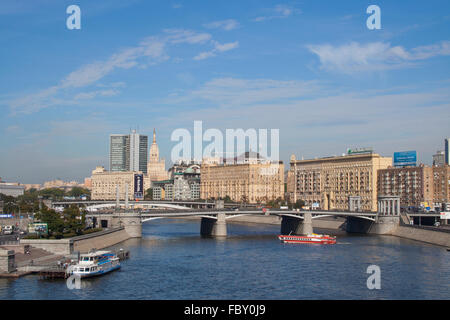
x=138, y=186
x=405, y=158
x=6, y=216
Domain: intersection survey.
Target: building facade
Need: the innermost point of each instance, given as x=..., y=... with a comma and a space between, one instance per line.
x=128, y=152
x=184, y=184
x=246, y=182
x=439, y=158
x=414, y=185
x=104, y=184
x=327, y=183
x=156, y=168
x=441, y=187
x=11, y=189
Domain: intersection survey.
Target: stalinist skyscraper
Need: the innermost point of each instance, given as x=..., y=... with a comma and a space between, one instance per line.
x=156, y=169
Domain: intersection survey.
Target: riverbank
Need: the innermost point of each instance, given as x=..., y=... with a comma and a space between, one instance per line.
x=84, y=243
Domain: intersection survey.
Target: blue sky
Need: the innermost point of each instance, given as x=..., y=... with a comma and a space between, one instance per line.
x=309, y=68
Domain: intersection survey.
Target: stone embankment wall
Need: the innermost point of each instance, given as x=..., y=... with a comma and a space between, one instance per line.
x=97, y=240
x=429, y=236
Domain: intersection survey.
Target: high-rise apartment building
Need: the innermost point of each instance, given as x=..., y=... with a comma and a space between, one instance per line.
x=327, y=183
x=246, y=182
x=128, y=152
x=414, y=185
x=441, y=185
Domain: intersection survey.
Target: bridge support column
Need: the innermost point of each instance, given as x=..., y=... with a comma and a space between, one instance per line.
x=381, y=225
x=212, y=227
x=292, y=225
x=132, y=223
x=306, y=226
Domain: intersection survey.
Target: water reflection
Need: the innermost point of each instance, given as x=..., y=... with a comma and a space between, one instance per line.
x=172, y=261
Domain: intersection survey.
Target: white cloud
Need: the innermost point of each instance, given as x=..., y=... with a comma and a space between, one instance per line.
x=278, y=12
x=217, y=48
x=93, y=94
x=150, y=51
x=226, y=25
x=356, y=57
x=176, y=36
x=242, y=92
x=316, y=121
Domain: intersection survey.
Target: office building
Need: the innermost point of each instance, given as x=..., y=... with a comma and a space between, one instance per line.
x=118, y=152
x=447, y=151
x=439, y=158
x=128, y=152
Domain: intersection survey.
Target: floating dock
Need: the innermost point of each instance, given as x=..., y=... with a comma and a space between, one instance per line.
x=53, y=273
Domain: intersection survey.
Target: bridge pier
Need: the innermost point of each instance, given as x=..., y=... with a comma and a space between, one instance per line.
x=214, y=227
x=386, y=221
x=132, y=223
x=292, y=225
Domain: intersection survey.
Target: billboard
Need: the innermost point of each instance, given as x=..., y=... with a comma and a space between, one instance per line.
x=445, y=215
x=359, y=150
x=38, y=227
x=138, y=186
x=405, y=158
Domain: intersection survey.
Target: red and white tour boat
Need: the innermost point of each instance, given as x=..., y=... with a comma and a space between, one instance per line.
x=310, y=238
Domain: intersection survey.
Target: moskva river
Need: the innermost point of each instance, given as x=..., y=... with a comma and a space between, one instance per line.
x=172, y=261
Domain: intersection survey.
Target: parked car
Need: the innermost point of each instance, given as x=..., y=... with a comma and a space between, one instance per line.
x=8, y=230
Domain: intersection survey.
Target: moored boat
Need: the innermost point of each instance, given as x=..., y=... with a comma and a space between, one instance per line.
x=95, y=263
x=310, y=238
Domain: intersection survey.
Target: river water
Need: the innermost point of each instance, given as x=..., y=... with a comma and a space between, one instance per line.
x=172, y=261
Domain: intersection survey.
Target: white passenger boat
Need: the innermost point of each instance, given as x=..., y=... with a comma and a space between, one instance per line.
x=95, y=263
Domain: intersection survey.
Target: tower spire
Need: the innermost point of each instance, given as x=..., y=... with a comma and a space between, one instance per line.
x=154, y=135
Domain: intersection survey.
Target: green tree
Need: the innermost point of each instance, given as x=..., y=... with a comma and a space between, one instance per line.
x=149, y=194
x=299, y=204
x=53, y=193
x=53, y=219
x=74, y=221
x=78, y=192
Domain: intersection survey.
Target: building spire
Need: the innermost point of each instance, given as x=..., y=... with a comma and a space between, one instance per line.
x=154, y=135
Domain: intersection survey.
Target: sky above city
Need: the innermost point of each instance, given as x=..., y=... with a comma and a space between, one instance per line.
x=311, y=69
